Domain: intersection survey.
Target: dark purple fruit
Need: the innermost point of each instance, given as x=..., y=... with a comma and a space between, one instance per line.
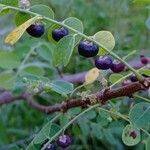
x=88, y=49
x=117, y=66
x=144, y=60
x=103, y=62
x=36, y=30
x=58, y=34
x=64, y=141
x=133, y=134
x=133, y=78
x=51, y=147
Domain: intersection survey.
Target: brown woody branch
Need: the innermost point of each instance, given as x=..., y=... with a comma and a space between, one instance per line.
x=100, y=97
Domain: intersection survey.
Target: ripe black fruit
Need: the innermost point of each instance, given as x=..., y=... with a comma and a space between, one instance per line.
x=64, y=141
x=58, y=34
x=51, y=147
x=133, y=78
x=103, y=62
x=36, y=30
x=117, y=66
x=87, y=49
x=144, y=60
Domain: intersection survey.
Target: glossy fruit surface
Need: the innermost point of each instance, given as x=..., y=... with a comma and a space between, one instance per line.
x=64, y=141
x=36, y=30
x=144, y=60
x=58, y=34
x=133, y=78
x=87, y=49
x=117, y=66
x=103, y=62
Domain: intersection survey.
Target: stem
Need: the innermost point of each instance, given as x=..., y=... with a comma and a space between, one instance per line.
x=139, y=76
x=68, y=124
x=143, y=98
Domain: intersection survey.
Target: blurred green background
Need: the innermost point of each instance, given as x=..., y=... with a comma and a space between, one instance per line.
x=128, y=21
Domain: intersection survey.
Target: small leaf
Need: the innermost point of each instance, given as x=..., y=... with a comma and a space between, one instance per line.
x=131, y=135
x=148, y=143
x=21, y=17
x=91, y=75
x=75, y=24
x=16, y=34
x=63, y=51
x=115, y=77
x=61, y=87
x=139, y=115
x=43, y=10
x=106, y=39
x=145, y=72
x=7, y=80
x=9, y=60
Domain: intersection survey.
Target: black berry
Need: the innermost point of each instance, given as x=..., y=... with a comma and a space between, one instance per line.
x=103, y=62
x=117, y=66
x=58, y=34
x=133, y=78
x=144, y=60
x=88, y=49
x=36, y=30
x=51, y=147
x=133, y=134
x=64, y=141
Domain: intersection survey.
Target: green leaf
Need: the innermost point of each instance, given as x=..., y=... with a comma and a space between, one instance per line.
x=106, y=39
x=9, y=60
x=63, y=51
x=97, y=131
x=131, y=135
x=139, y=115
x=61, y=87
x=7, y=80
x=21, y=17
x=145, y=72
x=115, y=77
x=75, y=24
x=45, y=52
x=64, y=119
x=33, y=69
x=43, y=10
x=90, y=115
x=148, y=143
x=9, y=2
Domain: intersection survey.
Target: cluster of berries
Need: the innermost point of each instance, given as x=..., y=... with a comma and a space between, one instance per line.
x=85, y=48
x=63, y=141
x=144, y=60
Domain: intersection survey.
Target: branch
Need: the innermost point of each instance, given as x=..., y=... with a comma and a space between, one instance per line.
x=100, y=97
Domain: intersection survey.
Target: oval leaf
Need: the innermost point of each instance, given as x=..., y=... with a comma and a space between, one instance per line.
x=9, y=60
x=91, y=75
x=75, y=24
x=139, y=115
x=16, y=34
x=106, y=39
x=63, y=51
x=62, y=87
x=21, y=17
x=115, y=77
x=131, y=135
x=43, y=10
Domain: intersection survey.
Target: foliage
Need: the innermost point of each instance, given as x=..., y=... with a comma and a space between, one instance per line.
x=28, y=64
